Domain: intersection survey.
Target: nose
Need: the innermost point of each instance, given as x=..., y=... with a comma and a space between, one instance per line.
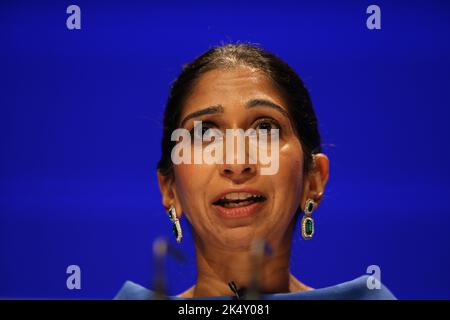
x=238, y=173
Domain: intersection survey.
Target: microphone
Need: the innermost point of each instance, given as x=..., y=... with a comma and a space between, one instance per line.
x=260, y=249
x=239, y=293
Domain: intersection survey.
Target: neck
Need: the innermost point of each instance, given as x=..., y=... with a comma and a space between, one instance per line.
x=217, y=267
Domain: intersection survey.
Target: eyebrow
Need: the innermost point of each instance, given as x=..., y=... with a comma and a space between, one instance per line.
x=209, y=110
x=250, y=104
x=266, y=103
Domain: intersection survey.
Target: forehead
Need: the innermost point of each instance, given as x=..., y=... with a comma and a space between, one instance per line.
x=231, y=88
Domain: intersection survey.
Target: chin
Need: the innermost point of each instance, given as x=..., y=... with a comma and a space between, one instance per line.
x=239, y=238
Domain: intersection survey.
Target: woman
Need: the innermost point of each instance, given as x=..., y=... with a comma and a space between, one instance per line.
x=231, y=204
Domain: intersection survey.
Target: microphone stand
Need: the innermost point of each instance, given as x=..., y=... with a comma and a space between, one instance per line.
x=259, y=250
x=161, y=248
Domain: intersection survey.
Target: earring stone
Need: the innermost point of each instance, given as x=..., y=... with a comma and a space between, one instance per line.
x=308, y=221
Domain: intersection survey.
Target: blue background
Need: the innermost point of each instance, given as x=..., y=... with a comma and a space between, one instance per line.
x=80, y=129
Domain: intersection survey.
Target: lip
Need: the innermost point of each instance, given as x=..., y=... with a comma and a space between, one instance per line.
x=253, y=191
x=239, y=212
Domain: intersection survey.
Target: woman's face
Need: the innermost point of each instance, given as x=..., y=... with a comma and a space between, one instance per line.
x=232, y=223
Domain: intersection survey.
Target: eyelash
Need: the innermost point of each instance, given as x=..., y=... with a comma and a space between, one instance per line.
x=205, y=126
x=272, y=122
x=208, y=125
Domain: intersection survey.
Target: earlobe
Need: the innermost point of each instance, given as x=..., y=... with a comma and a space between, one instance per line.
x=319, y=174
x=316, y=180
x=169, y=196
x=322, y=167
x=165, y=187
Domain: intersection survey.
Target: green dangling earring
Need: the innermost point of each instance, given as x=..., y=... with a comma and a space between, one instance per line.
x=308, y=221
x=176, y=226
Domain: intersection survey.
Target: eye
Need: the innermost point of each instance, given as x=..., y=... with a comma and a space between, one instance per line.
x=200, y=130
x=209, y=133
x=267, y=124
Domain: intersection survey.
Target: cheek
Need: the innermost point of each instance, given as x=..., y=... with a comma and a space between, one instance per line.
x=190, y=190
x=290, y=174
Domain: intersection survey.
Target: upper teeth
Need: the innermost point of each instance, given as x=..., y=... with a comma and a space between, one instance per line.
x=239, y=196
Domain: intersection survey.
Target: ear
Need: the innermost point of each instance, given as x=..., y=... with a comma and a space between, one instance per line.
x=315, y=180
x=169, y=194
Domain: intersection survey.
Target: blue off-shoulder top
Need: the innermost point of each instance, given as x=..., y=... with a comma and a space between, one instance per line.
x=356, y=289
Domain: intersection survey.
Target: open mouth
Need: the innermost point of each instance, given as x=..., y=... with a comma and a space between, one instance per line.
x=238, y=199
